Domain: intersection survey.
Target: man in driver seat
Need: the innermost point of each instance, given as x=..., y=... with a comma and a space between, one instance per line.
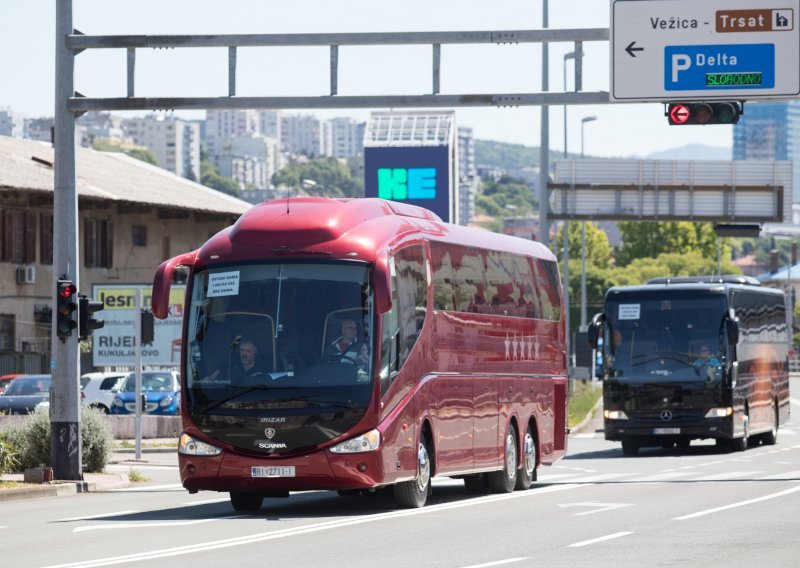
x=346, y=348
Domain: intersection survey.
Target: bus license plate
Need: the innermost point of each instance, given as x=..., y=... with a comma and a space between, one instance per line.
x=666, y=430
x=272, y=471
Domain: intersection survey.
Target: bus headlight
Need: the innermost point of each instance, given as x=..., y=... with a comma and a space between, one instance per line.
x=615, y=415
x=368, y=442
x=719, y=412
x=193, y=447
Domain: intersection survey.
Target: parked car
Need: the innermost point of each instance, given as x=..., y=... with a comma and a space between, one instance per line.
x=160, y=390
x=24, y=393
x=5, y=380
x=99, y=389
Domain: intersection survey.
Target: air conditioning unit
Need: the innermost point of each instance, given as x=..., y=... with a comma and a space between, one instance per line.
x=26, y=274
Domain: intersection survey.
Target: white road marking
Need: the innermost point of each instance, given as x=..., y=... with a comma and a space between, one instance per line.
x=170, y=487
x=208, y=501
x=126, y=526
x=596, y=540
x=740, y=504
x=781, y=476
x=598, y=507
x=316, y=527
x=121, y=467
x=664, y=476
x=727, y=475
x=98, y=516
x=586, y=435
x=795, y=401
x=497, y=563
x=545, y=478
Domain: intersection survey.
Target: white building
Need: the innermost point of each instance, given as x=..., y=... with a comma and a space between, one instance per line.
x=175, y=143
x=222, y=125
x=251, y=160
x=39, y=129
x=468, y=180
x=12, y=123
x=347, y=137
x=305, y=134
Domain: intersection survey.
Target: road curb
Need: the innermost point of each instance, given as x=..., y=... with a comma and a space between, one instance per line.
x=588, y=418
x=92, y=483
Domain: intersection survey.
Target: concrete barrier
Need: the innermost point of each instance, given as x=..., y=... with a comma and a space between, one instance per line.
x=124, y=427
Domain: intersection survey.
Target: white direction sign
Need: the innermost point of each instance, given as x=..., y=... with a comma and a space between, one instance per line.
x=680, y=50
x=114, y=343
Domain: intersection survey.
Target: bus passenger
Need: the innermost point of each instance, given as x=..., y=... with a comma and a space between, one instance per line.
x=345, y=348
x=706, y=363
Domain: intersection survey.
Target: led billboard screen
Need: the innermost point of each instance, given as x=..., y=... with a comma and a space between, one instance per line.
x=419, y=175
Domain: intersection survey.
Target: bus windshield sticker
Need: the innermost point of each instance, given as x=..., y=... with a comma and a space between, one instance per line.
x=223, y=284
x=628, y=311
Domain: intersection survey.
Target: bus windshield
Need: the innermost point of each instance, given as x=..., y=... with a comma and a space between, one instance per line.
x=664, y=339
x=289, y=333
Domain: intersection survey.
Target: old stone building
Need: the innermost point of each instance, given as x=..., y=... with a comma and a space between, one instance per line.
x=131, y=216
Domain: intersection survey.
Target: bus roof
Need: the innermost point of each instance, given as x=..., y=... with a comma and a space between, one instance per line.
x=343, y=228
x=719, y=284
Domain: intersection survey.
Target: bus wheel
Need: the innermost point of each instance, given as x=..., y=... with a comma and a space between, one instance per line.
x=630, y=448
x=771, y=437
x=413, y=494
x=527, y=473
x=244, y=502
x=503, y=481
x=740, y=444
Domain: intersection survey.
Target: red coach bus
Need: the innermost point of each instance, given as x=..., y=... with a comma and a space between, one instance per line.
x=456, y=366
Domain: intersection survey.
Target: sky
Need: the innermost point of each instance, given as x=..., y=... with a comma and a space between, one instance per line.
x=27, y=62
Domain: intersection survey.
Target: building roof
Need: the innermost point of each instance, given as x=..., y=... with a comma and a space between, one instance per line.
x=27, y=165
x=782, y=274
x=412, y=128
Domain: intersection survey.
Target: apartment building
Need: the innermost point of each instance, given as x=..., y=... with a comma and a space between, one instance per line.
x=175, y=143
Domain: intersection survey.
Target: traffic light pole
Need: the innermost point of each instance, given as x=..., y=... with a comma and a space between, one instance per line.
x=65, y=440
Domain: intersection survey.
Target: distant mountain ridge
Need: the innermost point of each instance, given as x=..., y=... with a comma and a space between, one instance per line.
x=515, y=157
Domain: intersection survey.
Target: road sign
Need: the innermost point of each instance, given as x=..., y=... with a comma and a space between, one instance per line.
x=706, y=50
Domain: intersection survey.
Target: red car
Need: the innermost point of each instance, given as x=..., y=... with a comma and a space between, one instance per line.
x=5, y=379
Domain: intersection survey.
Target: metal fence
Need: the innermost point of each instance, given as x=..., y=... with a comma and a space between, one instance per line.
x=23, y=362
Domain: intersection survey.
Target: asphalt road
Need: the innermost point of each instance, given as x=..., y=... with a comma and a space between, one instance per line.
x=698, y=507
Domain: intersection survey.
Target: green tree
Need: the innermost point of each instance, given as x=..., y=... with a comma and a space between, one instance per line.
x=326, y=177
x=649, y=239
x=598, y=249
x=210, y=176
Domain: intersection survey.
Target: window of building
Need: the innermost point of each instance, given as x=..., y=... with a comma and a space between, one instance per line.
x=6, y=332
x=98, y=243
x=17, y=236
x=46, y=238
x=139, y=235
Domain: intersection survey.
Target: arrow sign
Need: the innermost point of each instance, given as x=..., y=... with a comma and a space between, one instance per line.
x=597, y=507
x=679, y=114
x=630, y=49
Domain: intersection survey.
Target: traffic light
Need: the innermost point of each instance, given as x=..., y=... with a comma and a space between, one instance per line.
x=88, y=323
x=65, y=307
x=148, y=327
x=726, y=112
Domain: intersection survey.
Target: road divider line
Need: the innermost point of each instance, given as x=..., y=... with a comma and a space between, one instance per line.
x=98, y=516
x=725, y=475
x=596, y=540
x=497, y=563
x=795, y=401
x=739, y=504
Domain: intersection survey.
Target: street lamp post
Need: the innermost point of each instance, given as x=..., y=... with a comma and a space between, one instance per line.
x=567, y=57
x=584, y=120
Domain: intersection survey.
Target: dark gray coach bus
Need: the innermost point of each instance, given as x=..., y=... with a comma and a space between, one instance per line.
x=692, y=358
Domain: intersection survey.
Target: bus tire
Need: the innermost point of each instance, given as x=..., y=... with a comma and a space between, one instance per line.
x=413, y=494
x=244, y=502
x=527, y=473
x=771, y=437
x=630, y=448
x=740, y=444
x=504, y=480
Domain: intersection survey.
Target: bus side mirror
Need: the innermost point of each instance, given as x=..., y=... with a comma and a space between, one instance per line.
x=593, y=331
x=732, y=326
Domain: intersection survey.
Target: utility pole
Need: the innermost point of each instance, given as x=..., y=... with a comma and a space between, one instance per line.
x=544, y=142
x=65, y=411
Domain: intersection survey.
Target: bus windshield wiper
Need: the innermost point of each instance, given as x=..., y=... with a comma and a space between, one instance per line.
x=246, y=390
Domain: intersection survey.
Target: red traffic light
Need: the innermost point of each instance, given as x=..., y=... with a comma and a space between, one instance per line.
x=679, y=114
x=726, y=112
x=66, y=289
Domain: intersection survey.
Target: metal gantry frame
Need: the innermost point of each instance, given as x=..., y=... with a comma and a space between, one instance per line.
x=65, y=402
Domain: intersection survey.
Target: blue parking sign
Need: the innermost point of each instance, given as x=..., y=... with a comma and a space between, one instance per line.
x=719, y=67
